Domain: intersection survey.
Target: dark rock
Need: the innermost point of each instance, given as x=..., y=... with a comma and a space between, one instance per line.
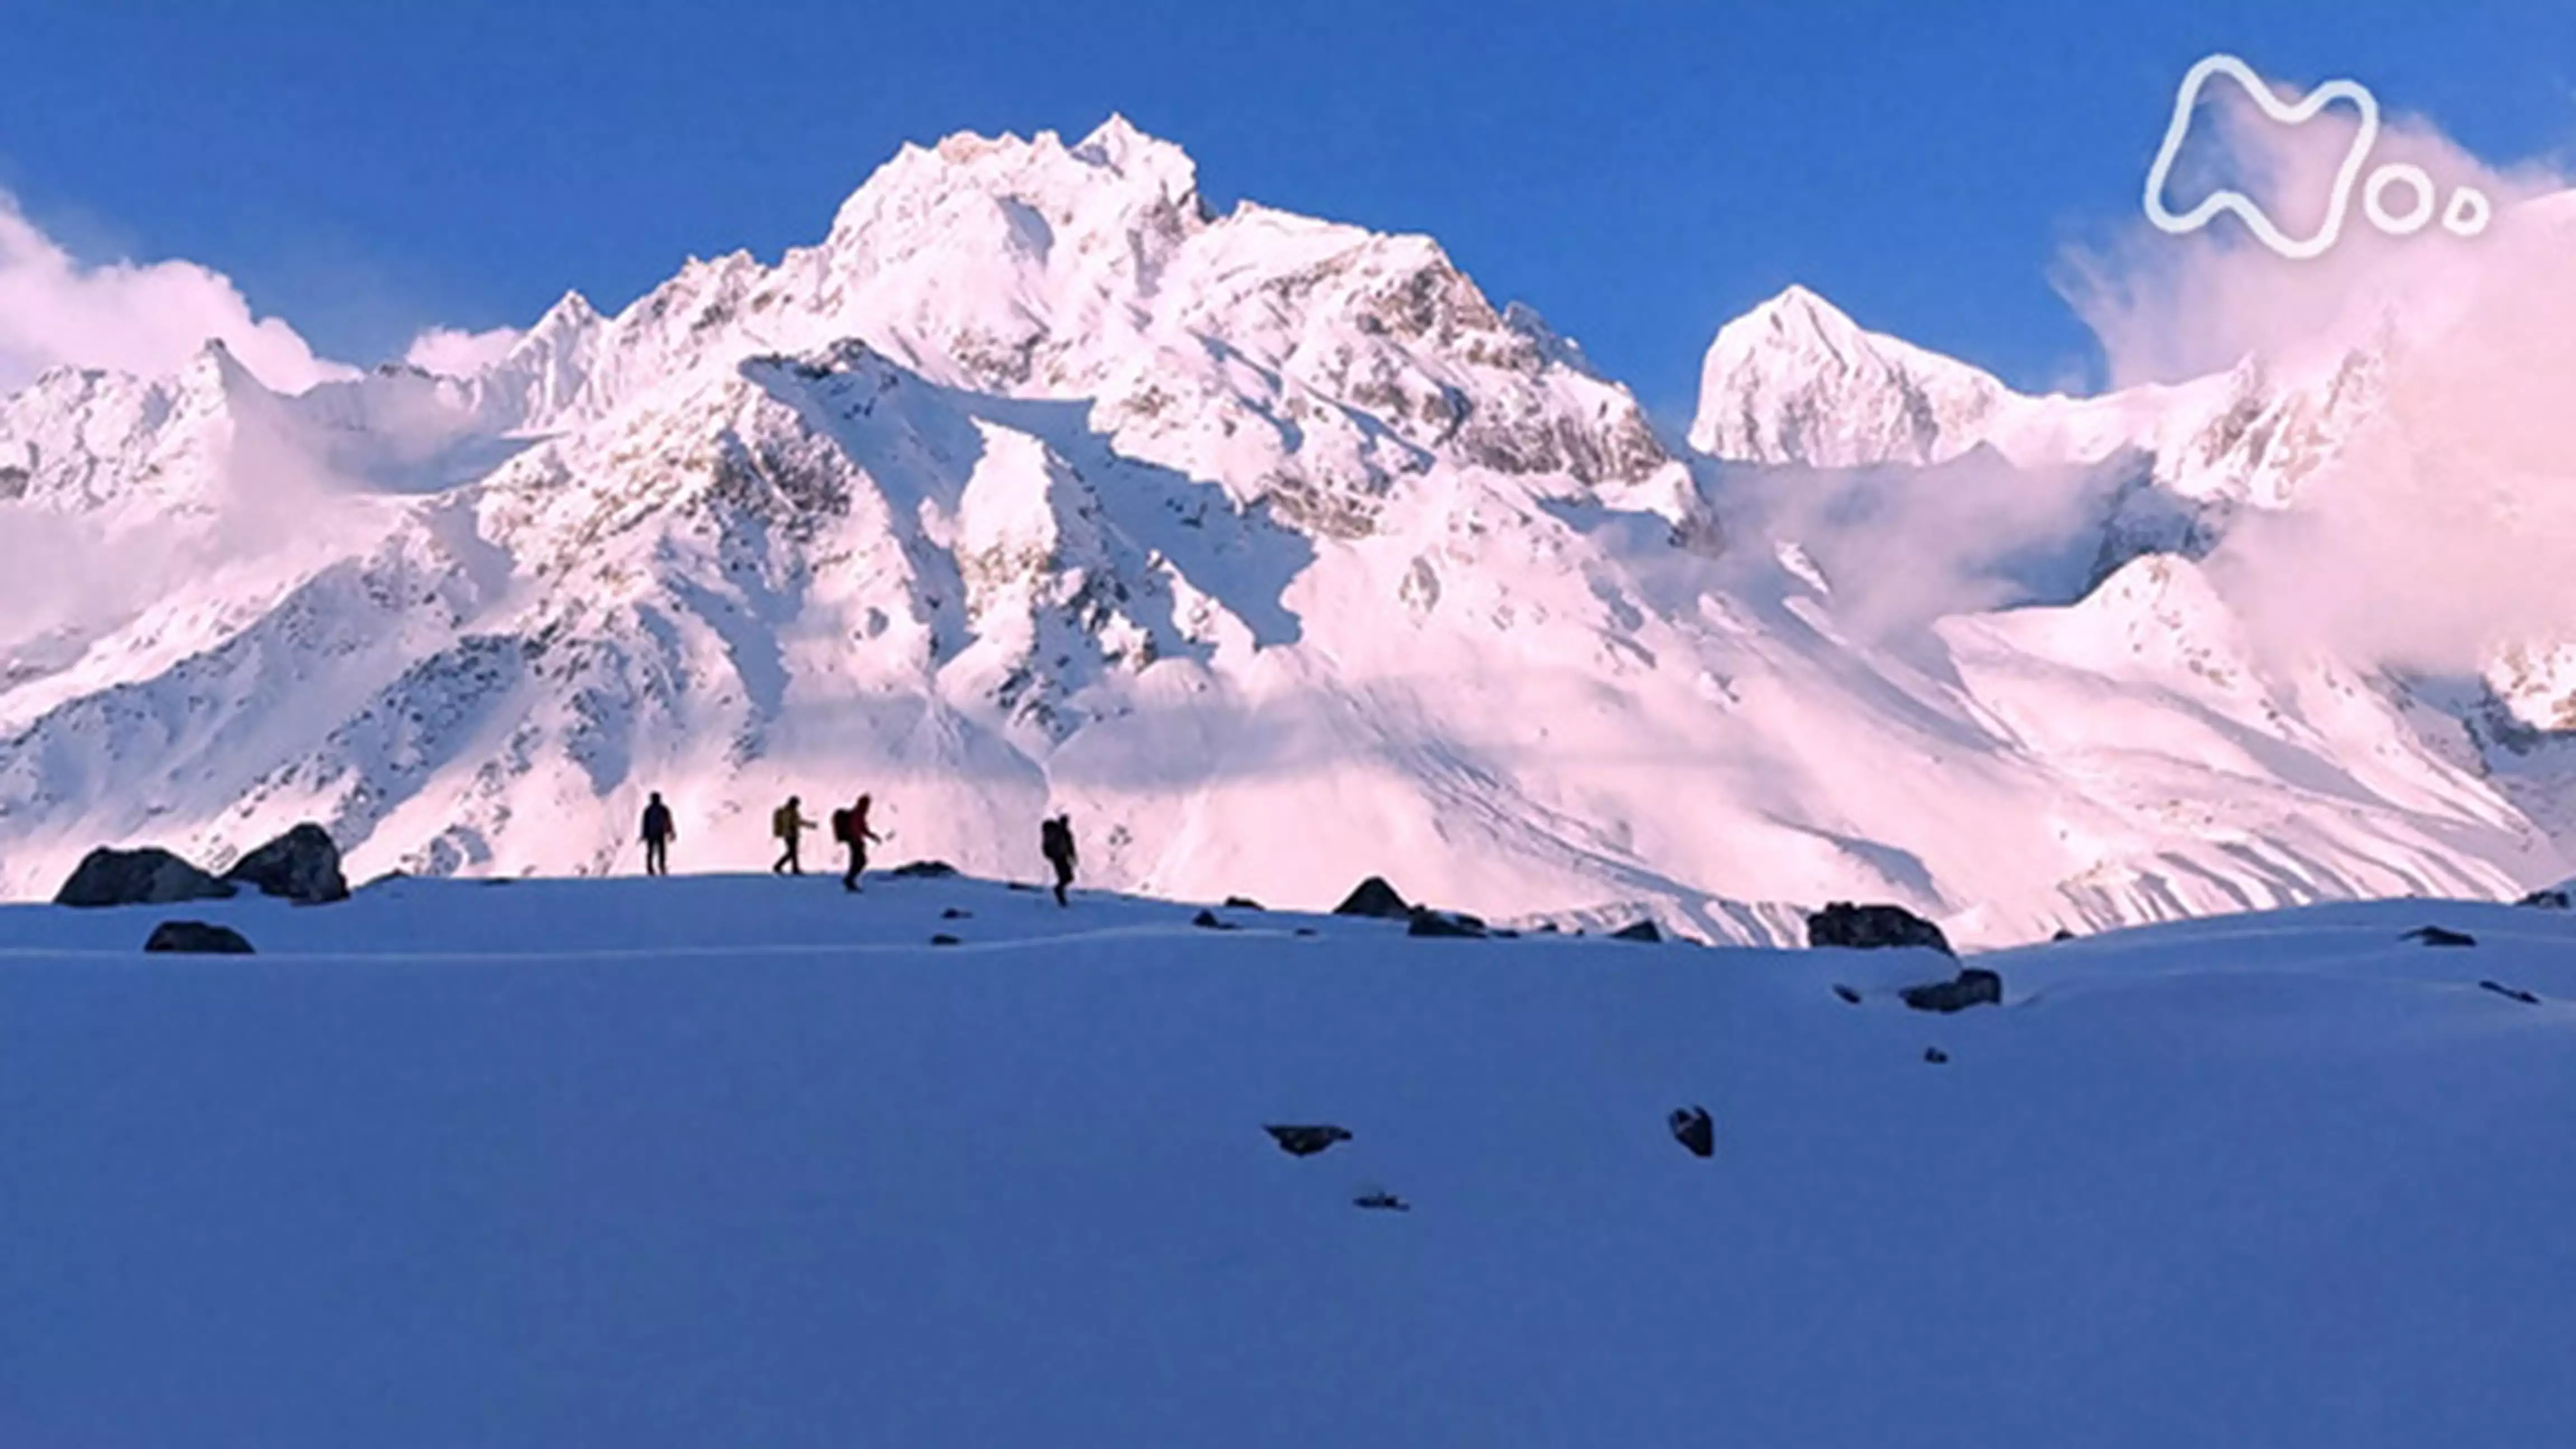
x=1973, y=986
x=1207, y=921
x=954, y=913
x=1693, y=1129
x=1425, y=921
x=2063, y=934
x=926, y=870
x=2514, y=992
x=1307, y=1141
x=944, y=939
x=2437, y=936
x=1021, y=885
x=1382, y=1201
x=150, y=876
x=1868, y=928
x=1642, y=931
x=1242, y=903
x=2555, y=899
x=1847, y=994
x=302, y=866
x=1305, y=930
x=197, y=937
x=1374, y=897
x=1935, y=1055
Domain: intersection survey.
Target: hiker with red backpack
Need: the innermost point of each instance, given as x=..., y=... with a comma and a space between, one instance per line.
x=850, y=828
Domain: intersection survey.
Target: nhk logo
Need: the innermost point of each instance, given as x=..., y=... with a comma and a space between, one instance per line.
x=2467, y=214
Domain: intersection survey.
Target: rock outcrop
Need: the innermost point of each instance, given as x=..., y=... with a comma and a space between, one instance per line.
x=302, y=866
x=1868, y=928
x=149, y=876
x=198, y=938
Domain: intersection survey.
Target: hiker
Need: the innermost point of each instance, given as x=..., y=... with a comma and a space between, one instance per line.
x=850, y=827
x=659, y=832
x=1055, y=840
x=789, y=824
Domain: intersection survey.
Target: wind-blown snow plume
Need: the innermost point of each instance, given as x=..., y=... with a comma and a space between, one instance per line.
x=2444, y=528
x=146, y=318
x=453, y=353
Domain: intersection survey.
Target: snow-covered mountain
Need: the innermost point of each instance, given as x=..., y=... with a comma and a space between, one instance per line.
x=1267, y=546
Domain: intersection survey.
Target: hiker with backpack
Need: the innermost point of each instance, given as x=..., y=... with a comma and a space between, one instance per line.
x=1055, y=841
x=659, y=832
x=789, y=824
x=850, y=828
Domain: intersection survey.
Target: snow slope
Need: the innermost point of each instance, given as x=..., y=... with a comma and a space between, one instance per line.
x=739, y=1160
x=1266, y=545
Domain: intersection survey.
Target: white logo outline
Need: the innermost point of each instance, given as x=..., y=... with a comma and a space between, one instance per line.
x=2228, y=199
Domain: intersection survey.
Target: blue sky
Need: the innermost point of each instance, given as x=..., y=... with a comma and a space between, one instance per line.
x=1637, y=172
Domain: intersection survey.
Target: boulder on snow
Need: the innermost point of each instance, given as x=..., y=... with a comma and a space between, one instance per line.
x=923, y=870
x=2513, y=993
x=1692, y=1128
x=198, y=938
x=1868, y=928
x=1935, y=1055
x=1306, y=1141
x=2437, y=936
x=1424, y=921
x=2063, y=934
x=1973, y=986
x=302, y=866
x=1642, y=931
x=150, y=876
x=1374, y=897
x=1847, y=993
x=945, y=939
x=2556, y=898
x=1242, y=903
x=1207, y=921
x=1382, y=1201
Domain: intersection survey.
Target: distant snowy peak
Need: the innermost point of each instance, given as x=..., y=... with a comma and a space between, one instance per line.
x=1796, y=381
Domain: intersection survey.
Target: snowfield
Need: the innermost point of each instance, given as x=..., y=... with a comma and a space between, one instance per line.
x=744, y=1161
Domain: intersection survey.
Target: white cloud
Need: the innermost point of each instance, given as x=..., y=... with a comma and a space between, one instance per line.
x=453, y=353
x=2444, y=530
x=146, y=318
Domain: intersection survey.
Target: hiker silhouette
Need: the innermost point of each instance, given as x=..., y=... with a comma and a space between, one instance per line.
x=850, y=827
x=1055, y=841
x=659, y=832
x=789, y=824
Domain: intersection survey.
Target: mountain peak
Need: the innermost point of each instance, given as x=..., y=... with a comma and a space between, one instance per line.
x=1039, y=171
x=1796, y=380
x=1796, y=308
